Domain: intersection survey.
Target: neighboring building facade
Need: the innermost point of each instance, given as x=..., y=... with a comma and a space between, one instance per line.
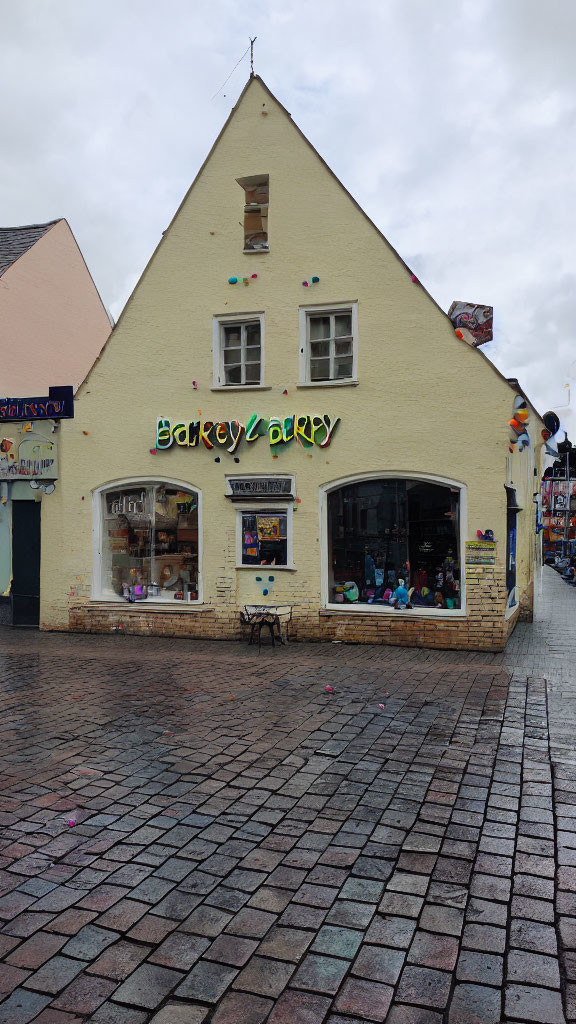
x=558, y=502
x=283, y=415
x=52, y=327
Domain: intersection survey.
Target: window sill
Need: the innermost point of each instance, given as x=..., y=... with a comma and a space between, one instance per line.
x=269, y=568
x=155, y=606
x=240, y=387
x=348, y=383
x=254, y=252
x=370, y=609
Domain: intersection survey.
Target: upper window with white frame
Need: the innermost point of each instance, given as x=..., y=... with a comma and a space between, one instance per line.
x=329, y=344
x=238, y=351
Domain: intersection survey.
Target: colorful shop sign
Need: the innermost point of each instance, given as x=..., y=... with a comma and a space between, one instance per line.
x=480, y=552
x=28, y=452
x=58, y=404
x=307, y=430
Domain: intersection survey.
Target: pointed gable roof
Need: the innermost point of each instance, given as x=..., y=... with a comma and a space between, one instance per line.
x=14, y=242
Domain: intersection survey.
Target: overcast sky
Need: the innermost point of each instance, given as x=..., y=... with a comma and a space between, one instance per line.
x=450, y=121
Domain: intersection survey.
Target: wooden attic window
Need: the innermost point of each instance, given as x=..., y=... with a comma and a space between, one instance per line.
x=256, y=198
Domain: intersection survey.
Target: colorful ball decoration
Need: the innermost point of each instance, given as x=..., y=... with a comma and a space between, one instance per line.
x=245, y=280
x=313, y=280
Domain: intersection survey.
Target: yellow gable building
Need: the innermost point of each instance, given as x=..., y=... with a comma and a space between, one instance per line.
x=283, y=416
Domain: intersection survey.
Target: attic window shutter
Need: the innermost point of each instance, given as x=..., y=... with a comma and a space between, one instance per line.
x=256, y=201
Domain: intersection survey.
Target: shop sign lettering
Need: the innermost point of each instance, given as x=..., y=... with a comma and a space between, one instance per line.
x=57, y=404
x=228, y=434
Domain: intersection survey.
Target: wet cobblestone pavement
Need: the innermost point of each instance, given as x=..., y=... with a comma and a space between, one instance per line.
x=190, y=832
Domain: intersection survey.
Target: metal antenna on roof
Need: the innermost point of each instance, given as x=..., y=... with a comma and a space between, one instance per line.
x=225, y=82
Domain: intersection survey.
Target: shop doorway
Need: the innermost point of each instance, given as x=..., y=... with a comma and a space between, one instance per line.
x=25, y=563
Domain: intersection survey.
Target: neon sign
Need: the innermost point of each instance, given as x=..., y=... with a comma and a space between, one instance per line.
x=306, y=430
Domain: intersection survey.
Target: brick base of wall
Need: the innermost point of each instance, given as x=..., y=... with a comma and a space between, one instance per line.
x=484, y=628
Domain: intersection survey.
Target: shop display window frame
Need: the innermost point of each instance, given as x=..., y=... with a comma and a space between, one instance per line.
x=219, y=322
x=99, y=593
x=374, y=609
x=271, y=508
x=304, y=314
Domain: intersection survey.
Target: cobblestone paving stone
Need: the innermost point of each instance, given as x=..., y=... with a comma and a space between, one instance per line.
x=191, y=833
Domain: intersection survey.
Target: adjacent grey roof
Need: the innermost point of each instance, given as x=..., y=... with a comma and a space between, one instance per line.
x=14, y=242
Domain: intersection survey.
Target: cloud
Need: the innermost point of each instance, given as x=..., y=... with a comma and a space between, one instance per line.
x=452, y=124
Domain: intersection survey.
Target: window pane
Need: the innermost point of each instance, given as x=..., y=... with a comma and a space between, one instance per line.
x=343, y=325
x=232, y=355
x=320, y=369
x=252, y=373
x=175, y=544
x=384, y=531
x=319, y=349
x=253, y=334
x=127, y=540
x=233, y=375
x=343, y=348
x=264, y=540
x=232, y=335
x=343, y=367
x=319, y=327
x=150, y=543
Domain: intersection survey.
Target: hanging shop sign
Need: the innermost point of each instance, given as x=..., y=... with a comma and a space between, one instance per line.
x=58, y=404
x=259, y=487
x=480, y=552
x=28, y=452
x=307, y=430
x=477, y=320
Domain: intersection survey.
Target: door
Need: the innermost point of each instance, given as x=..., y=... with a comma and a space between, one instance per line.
x=511, y=521
x=26, y=563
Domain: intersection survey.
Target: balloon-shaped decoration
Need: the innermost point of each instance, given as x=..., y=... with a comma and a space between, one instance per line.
x=232, y=280
x=518, y=433
x=551, y=422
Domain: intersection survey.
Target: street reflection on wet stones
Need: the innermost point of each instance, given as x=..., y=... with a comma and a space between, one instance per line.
x=191, y=832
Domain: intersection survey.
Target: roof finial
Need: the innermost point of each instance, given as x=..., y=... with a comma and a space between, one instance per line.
x=252, y=41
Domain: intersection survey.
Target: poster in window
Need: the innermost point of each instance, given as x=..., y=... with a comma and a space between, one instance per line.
x=560, y=494
x=268, y=527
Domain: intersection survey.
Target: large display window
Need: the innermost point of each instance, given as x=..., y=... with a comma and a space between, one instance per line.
x=395, y=543
x=149, y=543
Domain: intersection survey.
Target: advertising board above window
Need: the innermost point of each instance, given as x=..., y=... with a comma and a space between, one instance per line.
x=259, y=487
x=28, y=451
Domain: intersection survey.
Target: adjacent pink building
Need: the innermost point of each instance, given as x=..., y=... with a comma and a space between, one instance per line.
x=53, y=326
x=53, y=323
